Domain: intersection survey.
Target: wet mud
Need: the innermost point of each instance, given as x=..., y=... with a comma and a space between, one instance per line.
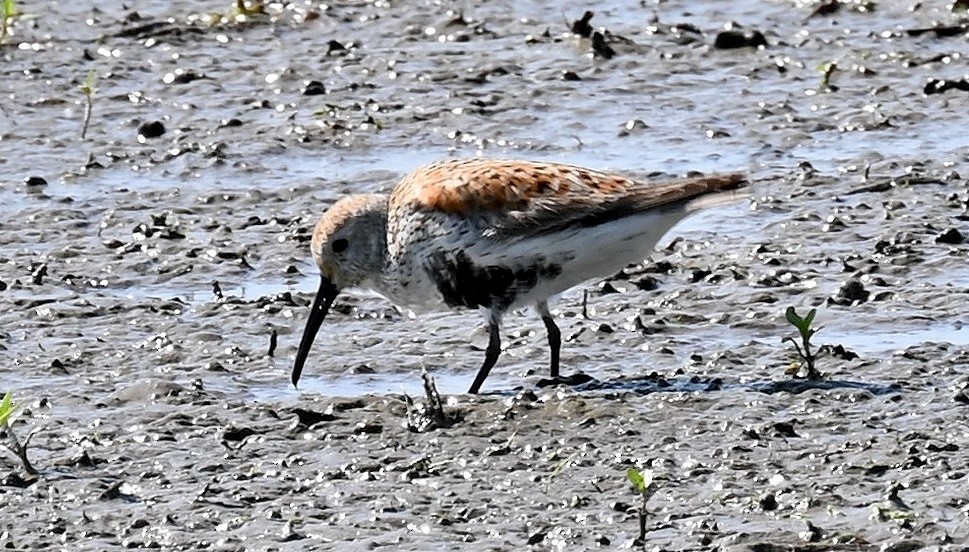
x=155, y=278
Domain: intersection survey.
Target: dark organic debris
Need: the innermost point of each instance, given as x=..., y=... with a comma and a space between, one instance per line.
x=273, y=338
x=169, y=30
x=236, y=433
x=573, y=380
x=581, y=26
x=14, y=479
x=600, y=48
x=785, y=429
x=314, y=88
x=182, y=76
x=35, y=181
x=38, y=273
x=334, y=47
x=940, y=31
x=310, y=418
x=570, y=76
x=941, y=86
x=853, y=292
x=951, y=236
x=802, y=385
x=768, y=502
x=117, y=491
x=732, y=39
x=151, y=129
x=646, y=283
x=537, y=537
x=633, y=126
x=839, y=351
x=826, y=8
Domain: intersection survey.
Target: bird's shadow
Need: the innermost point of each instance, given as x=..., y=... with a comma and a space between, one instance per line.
x=655, y=383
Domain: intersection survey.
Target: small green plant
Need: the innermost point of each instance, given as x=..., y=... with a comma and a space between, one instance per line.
x=7, y=12
x=642, y=481
x=257, y=8
x=7, y=409
x=804, y=351
x=13, y=444
x=88, y=89
x=827, y=71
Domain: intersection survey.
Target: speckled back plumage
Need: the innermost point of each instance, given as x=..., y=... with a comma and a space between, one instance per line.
x=527, y=216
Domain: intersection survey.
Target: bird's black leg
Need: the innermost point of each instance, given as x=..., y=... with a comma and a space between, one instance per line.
x=491, y=353
x=554, y=335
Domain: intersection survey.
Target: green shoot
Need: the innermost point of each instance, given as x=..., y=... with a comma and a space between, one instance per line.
x=642, y=480
x=7, y=12
x=561, y=467
x=806, y=332
x=88, y=89
x=7, y=409
x=827, y=70
x=257, y=8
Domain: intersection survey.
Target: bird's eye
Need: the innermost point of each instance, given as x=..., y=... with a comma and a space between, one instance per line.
x=340, y=245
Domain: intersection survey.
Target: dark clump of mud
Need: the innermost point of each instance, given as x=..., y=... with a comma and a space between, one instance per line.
x=155, y=276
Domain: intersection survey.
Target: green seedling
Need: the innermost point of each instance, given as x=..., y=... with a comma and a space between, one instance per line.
x=804, y=351
x=257, y=8
x=88, y=89
x=13, y=444
x=7, y=409
x=7, y=12
x=642, y=480
x=827, y=71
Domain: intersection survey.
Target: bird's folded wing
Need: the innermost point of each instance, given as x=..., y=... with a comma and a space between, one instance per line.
x=509, y=200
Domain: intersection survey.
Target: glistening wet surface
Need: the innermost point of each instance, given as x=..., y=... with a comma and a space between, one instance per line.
x=165, y=418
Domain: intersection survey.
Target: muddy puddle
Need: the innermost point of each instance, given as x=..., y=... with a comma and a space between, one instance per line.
x=146, y=268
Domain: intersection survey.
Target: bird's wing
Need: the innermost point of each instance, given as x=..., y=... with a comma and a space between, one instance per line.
x=513, y=200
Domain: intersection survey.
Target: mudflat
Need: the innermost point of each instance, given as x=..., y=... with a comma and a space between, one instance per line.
x=155, y=277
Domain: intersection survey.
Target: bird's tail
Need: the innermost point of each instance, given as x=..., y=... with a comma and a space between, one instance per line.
x=723, y=190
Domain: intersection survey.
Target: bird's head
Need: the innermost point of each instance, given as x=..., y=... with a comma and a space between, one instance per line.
x=349, y=246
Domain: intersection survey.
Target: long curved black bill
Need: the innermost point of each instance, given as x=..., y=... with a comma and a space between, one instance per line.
x=321, y=305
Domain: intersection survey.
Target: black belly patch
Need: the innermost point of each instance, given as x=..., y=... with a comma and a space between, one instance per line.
x=465, y=284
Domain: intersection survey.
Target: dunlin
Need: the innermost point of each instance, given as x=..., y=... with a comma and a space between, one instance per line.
x=495, y=235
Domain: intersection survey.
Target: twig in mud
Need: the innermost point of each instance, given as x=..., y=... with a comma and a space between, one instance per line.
x=89, y=90
x=560, y=467
x=217, y=290
x=435, y=406
x=431, y=414
x=273, y=337
x=13, y=444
